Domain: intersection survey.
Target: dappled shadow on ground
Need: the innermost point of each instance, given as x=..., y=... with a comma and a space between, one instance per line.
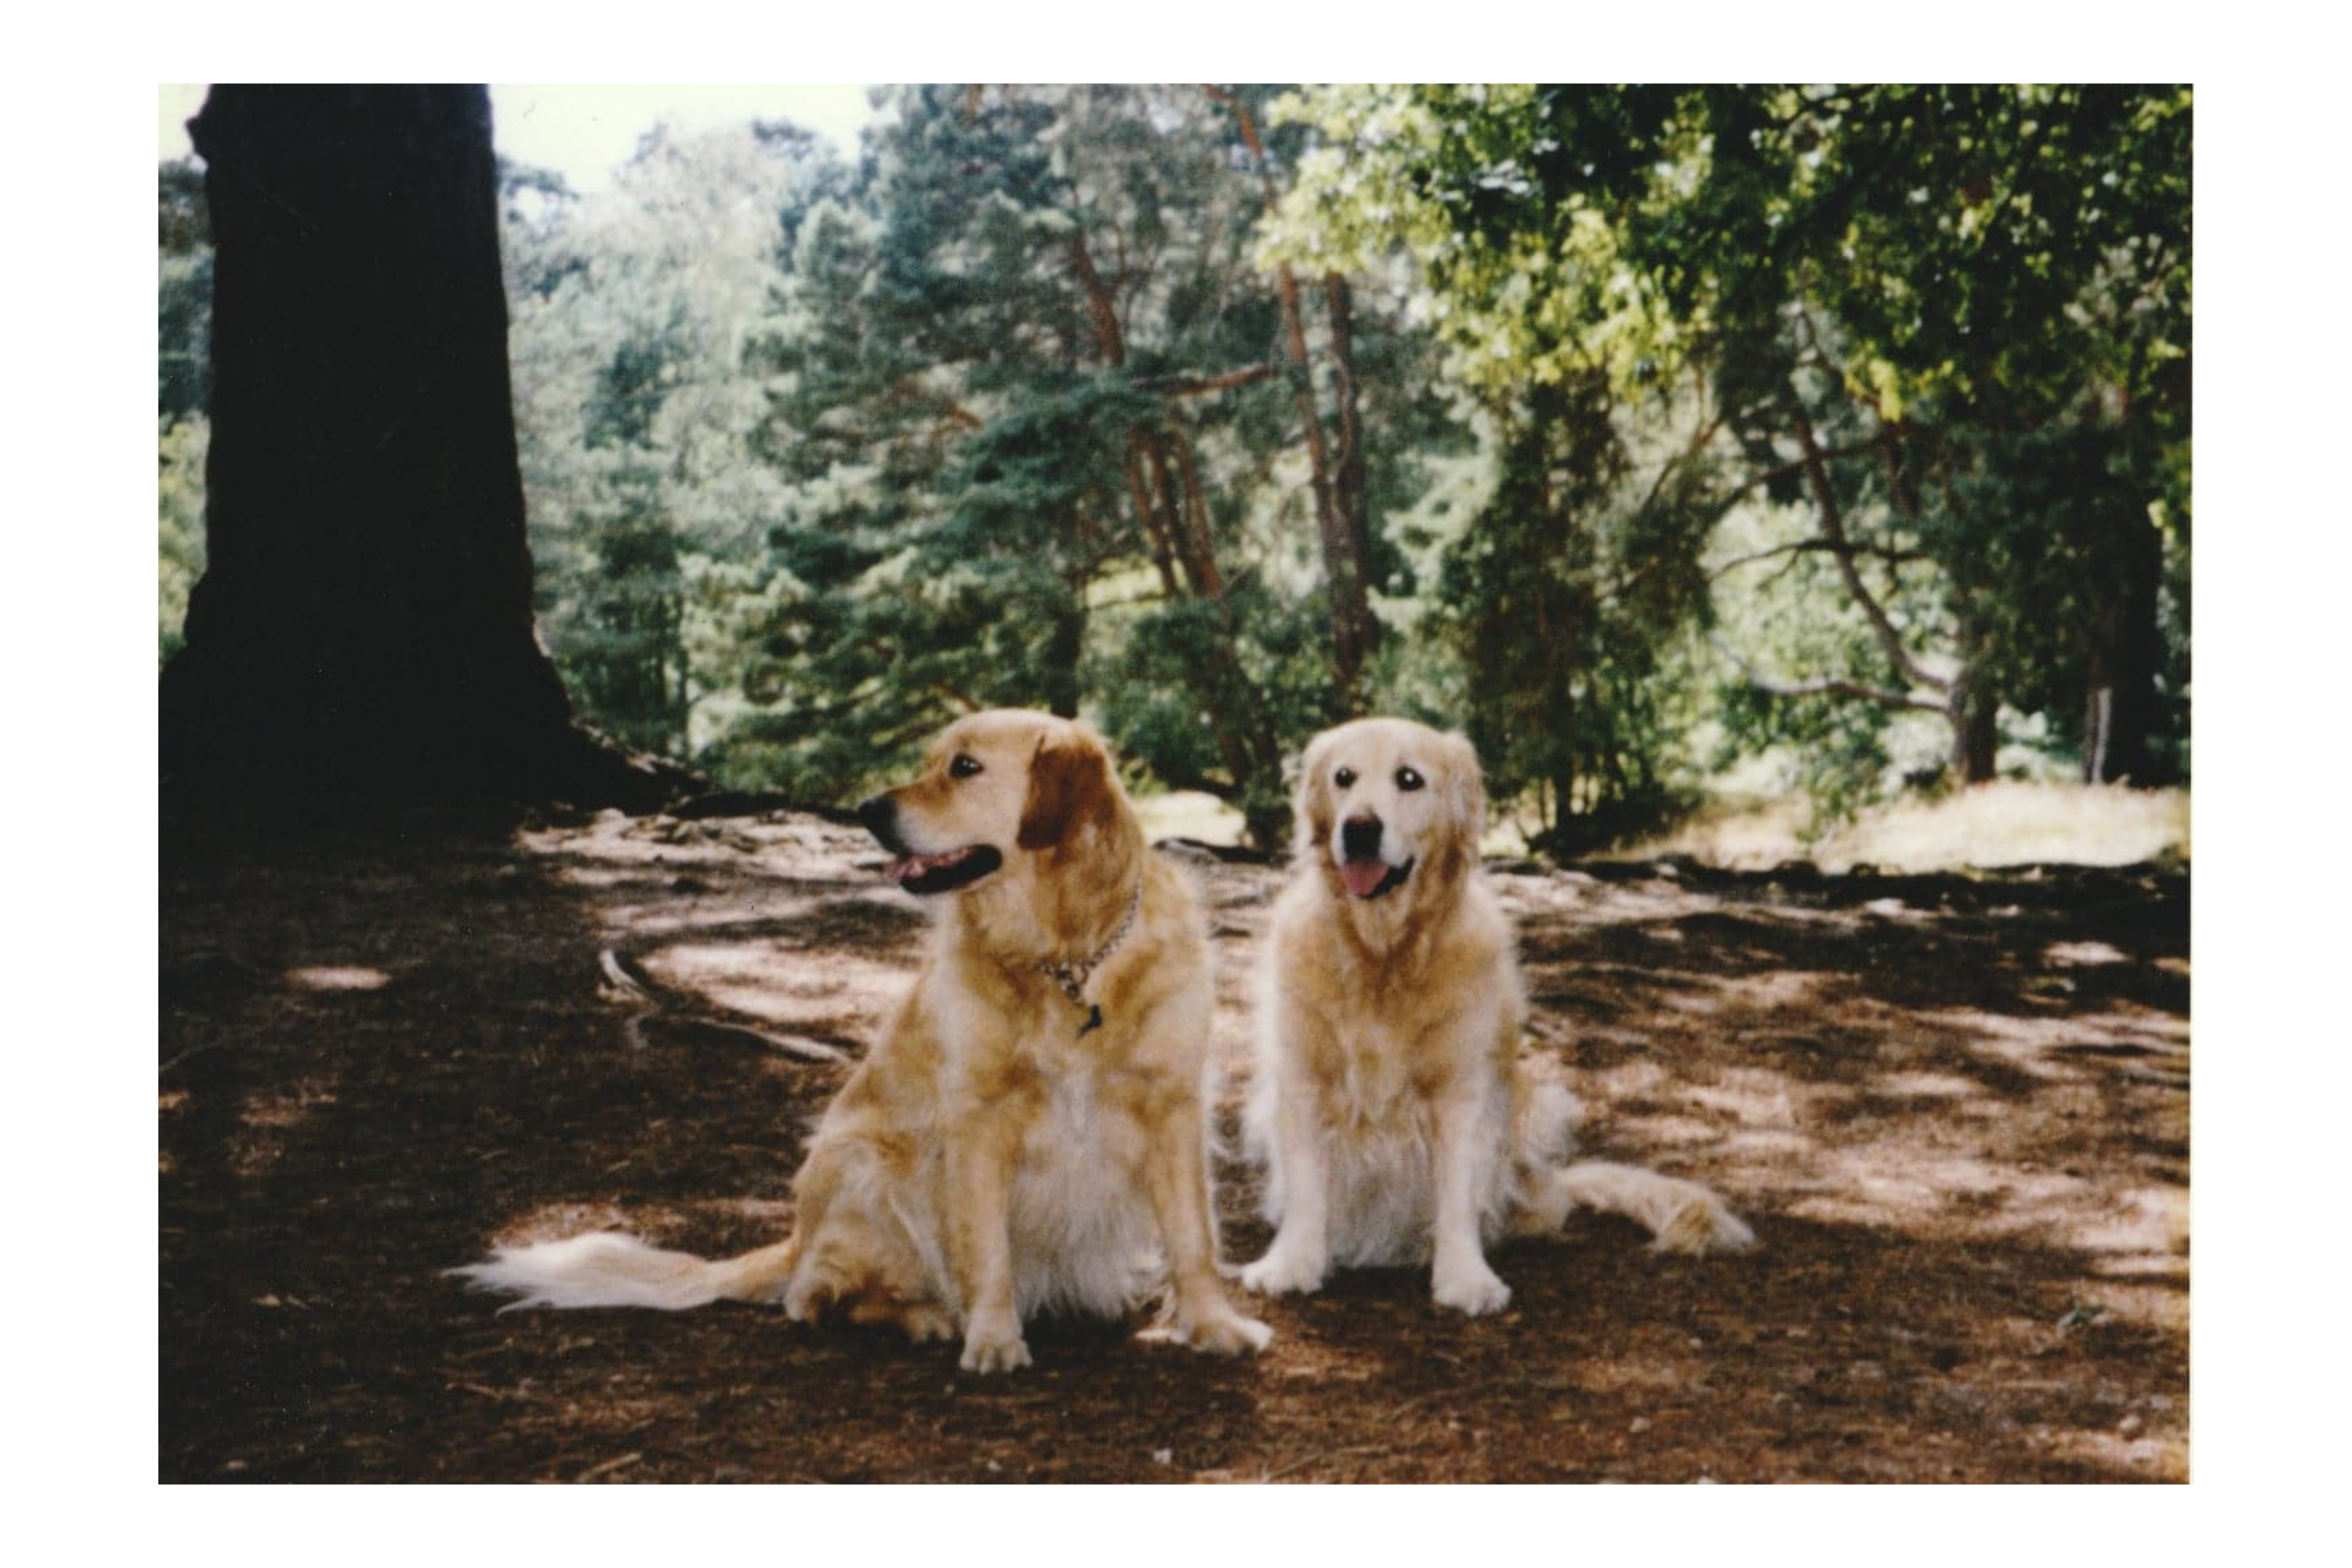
x=1955, y=1110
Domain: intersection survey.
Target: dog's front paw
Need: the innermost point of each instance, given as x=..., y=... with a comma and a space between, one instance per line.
x=1283, y=1271
x=992, y=1345
x=1704, y=1226
x=1472, y=1289
x=1229, y=1333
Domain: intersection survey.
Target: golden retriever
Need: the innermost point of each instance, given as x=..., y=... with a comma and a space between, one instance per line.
x=1390, y=1103
x=1030, y=1132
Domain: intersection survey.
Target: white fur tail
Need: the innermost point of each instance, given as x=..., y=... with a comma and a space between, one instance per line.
x=607, y=1269
x=1683, y=1216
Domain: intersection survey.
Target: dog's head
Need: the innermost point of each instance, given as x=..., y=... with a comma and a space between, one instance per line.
x=1385, y=801
x=1005, y=789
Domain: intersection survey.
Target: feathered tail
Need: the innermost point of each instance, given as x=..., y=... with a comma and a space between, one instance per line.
x=1683, y=1216
x=607, y=1269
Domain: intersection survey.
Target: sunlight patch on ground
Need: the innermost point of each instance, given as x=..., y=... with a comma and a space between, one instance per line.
x=639, y=925
x=660, y=1223
x=1773, y=990
x=1768, y=1143
x=270, y=1118
x=1696, y=1007
x=1589, y=901
x=2029, y=1045
x=2138, y=1240
x=1631, y=1132
x=2082, y=954
x=289, y=1108
x=720, y=913
x=1189, y=813
x=1633, y=1082
x=1753, y=1098
x=1924, y=1086
x=337, y=977
x=780, y=983
x=1637, y=1373
x=2158, y=1458
x=1871, y=1184
x=2151, y=1222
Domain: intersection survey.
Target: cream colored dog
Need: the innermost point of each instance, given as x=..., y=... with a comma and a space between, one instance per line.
x=1390, y=1101
x=1030, y=1132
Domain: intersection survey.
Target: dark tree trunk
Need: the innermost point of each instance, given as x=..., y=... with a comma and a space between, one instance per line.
x=363, y=629
x=1976, y=732
x=1065, y=645
x=2126, y=649
x=1362, y=631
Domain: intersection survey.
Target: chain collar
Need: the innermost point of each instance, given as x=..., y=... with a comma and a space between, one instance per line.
x=1072, y=978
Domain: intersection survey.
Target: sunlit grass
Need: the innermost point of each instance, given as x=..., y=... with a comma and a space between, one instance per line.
x=2007, y=822
x=1189, y=813
x=2011, y=824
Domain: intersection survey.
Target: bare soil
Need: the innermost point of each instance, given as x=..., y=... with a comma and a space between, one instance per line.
x=1955, y=1108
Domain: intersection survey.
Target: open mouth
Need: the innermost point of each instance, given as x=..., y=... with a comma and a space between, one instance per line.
x=1373, y=879
x=926, y=874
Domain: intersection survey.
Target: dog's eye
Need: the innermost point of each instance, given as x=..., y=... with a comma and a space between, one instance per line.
x=1345, y=778
x=1407, y=779
x=962, y=766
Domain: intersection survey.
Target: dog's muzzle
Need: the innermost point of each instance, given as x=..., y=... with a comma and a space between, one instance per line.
x=925, y=874
x=1362, y=867
x=880, y=815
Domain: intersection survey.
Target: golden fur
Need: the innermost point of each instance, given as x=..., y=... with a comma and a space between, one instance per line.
x=1398, y=1120
x=987, y=1160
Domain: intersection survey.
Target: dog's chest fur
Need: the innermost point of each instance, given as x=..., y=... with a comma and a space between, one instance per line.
x=1084, y=1233
x=1085, y=1236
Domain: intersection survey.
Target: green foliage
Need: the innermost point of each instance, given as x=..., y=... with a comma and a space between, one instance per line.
x=1782, y=430
x=1569, y=597
x=180, y=490
x=183, y=292
x=183, y=337
x=1021, y=393
x=631, y=310
x=1950, y=322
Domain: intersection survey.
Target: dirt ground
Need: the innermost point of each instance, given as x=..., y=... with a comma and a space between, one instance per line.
x=1955, y=1110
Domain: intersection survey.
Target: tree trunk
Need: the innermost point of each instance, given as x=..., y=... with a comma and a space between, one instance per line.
x=1346, y=556
x=1976, y=732
x=1348, y=455
x=2126, y=648
x=363, y=629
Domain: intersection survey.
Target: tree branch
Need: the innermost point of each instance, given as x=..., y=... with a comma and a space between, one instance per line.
x=1830, y=686
x=1826, y=546
x=1184, y=384
x=1817, y=475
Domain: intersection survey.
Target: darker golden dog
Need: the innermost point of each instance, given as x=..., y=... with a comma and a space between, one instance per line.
x=1030, y=1133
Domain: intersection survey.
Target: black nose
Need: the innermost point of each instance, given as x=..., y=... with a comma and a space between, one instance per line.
x=1359, y=838
x=880, y=815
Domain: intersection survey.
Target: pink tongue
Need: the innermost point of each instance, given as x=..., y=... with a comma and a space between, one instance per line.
x=917, y=865
x=1363, y=875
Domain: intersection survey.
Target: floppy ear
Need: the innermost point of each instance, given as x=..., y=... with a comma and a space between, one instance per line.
x=1469, y=788
x=1070, y=792
x=1311, y=802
